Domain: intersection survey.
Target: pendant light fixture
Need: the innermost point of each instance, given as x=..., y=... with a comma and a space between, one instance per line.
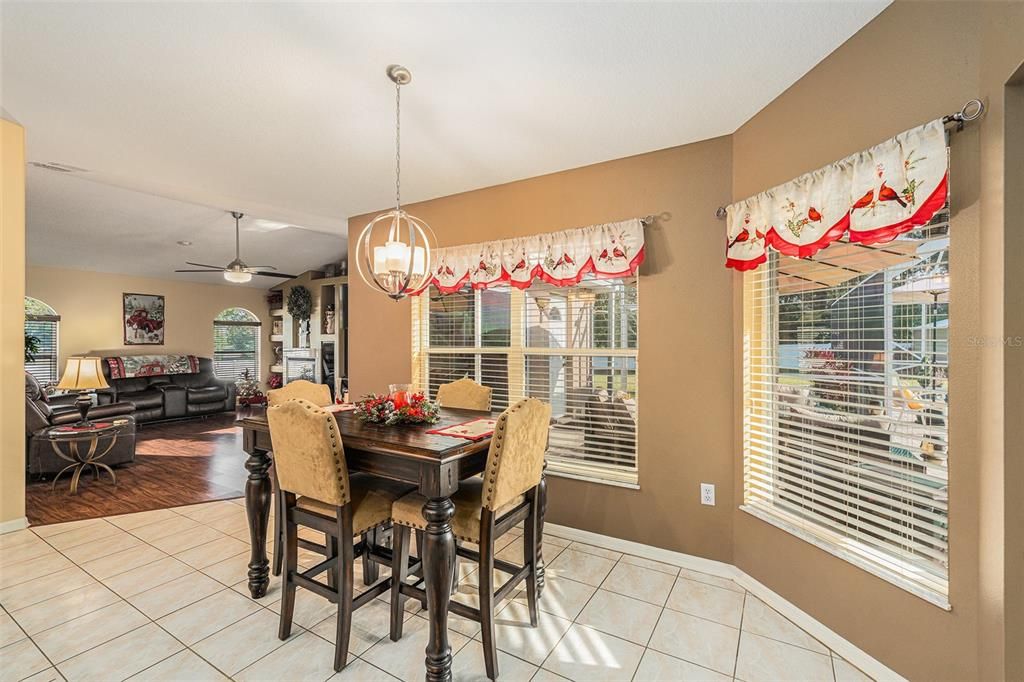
x=398, y=262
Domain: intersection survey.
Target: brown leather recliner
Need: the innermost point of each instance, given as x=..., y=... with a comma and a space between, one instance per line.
x=42, y=413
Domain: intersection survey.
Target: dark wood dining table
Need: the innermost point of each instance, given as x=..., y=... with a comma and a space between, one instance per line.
x=435, y=464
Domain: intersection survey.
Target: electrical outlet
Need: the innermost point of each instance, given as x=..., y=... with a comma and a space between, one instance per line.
x=707, y=494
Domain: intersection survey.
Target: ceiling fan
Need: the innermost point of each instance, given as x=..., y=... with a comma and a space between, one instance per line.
x=237, y=271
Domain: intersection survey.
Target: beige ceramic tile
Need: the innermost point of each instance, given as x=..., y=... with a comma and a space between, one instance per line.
x=404, y=658
x=122, y=561
x=597, y=551
x=468, y=666
x=696, y=640
x=585, y=654
x=179, y=542
x=303, y=657
x=513, y=633
x=208, y=615
x=92, y=533
x=103, y=547
x=89, y=631
x=210, y=553
x=638, y=582
x=580, y=566
x=24, y=550
x=231, y=570
x=64, y=607
x=658, y=667
x=183, y=666
x=178, y=593
x=620, y=616
x=48, y=675
x=139, y=519
x=370, y=624
x=22, y=659
x=707, y=601
x=846, y=672
x=40, y=589
x=208, y=511
x=709, y=579
x=236, y=523
x=163, y=528
x=10, y=632
x=761, y=619
x=17, y=538
x=23, y=571
x=359, y=670
x=766, y=660
x=548, y=676
x=562, y=597
x=238, y=645
x=273, y=595
x=310, y=608
x=133, y=652
x=51, y=529
x=649, y=563
x=145, y=577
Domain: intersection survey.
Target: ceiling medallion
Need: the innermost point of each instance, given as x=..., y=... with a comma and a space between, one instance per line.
x=396, y=262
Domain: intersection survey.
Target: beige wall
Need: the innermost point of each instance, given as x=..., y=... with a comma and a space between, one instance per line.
x=12, y=322
x=684, y=366
x=89, y=305
x=939, y=56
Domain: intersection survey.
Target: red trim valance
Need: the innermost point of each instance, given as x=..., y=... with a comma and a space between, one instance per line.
x=561, y=259
x=873, y=196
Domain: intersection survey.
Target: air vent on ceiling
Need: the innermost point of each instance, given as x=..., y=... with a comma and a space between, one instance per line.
x=57, y=167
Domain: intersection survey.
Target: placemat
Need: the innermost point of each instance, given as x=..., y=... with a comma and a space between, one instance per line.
x=474, y=429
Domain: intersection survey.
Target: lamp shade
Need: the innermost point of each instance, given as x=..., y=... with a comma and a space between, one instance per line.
x=82, y=374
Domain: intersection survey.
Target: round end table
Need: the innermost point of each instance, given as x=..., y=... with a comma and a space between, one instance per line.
x=80, y=445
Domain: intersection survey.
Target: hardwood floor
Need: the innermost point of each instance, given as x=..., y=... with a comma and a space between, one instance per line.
x=176, y=463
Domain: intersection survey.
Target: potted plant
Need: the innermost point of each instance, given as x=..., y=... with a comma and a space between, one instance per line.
x=300, y=307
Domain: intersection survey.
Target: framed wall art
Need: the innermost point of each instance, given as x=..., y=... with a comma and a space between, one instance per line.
x=143, y=320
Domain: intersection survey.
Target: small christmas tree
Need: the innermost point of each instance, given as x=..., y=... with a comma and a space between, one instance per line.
x=249, y=392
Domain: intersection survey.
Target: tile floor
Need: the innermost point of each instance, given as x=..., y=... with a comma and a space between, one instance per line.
x=161, y=595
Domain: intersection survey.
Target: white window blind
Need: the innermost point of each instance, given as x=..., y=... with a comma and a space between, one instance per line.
x=846, y=403
x=573, y=347
x=236, y=344
x=43, y=323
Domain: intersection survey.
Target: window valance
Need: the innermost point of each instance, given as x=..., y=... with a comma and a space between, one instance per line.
x=872, y=196
x=558, y=258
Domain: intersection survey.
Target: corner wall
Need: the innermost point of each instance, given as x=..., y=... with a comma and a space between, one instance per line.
x=685, y=361
x=12, y=324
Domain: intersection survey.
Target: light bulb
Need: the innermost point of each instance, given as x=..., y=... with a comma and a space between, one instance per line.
x=237, y=276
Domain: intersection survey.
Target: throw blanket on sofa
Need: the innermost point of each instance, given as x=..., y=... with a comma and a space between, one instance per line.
x=128, y=366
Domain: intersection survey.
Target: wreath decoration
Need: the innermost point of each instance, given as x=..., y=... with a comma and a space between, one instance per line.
x=300, y=303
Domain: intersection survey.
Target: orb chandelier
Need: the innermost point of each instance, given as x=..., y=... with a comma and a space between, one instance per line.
x=397, y=264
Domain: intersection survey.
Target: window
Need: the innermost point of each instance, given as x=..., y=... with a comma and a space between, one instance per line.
x=846, y=403
x=236, y=344
x=41, y=328
x=573, y=347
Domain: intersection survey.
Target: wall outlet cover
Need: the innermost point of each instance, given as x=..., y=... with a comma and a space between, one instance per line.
x=707, y=494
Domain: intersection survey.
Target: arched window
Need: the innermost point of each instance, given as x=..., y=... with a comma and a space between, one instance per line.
x=41, y=338
x=236, y=344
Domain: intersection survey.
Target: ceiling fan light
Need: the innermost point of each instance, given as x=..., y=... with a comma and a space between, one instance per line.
x=237, y=277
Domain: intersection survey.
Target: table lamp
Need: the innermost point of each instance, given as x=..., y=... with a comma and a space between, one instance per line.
x=83, y=375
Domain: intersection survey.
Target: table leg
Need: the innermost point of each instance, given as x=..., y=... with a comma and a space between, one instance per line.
x=257, y=510
x=542, y=492
x=438, y=572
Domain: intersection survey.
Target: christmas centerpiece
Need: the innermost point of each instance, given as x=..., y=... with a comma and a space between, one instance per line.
x=400, y=406
x=248, y=390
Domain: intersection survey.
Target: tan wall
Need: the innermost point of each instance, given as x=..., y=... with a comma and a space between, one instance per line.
x=913, y=63
x=12, y=321
x=684, y=367
x=89, y=305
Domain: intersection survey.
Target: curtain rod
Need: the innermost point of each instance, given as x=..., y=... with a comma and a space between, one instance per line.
x=970, y=111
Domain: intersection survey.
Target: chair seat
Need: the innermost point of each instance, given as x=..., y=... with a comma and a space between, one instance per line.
x=468, y=501
x=372, y=500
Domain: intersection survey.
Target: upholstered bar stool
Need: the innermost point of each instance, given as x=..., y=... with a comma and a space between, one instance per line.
x=485, y=509
x=319, y=493
x=464, y=394
x=318, y=394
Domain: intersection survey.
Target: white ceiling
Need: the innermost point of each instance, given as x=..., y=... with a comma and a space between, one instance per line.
x=283, y=110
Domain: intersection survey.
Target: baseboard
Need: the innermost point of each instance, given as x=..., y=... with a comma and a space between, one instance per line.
x=13, y=525
x=826, y=636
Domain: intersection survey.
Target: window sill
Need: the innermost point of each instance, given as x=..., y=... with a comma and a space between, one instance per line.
x=827, y=542
x=552, y=471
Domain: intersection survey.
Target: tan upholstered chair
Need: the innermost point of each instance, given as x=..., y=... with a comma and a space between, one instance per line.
x=464, y=394
x=485, y=509
x=318, y=394
x=318, y=492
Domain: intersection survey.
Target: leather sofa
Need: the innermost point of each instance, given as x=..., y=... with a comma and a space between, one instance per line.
x=174, y=396
x=41, y=413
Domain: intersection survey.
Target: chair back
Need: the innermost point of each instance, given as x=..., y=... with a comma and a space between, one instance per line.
x=464, y=394
x=318, y=394
x=308, y=453
x=515, y=461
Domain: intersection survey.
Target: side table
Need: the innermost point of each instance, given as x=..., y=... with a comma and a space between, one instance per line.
x=80, y=445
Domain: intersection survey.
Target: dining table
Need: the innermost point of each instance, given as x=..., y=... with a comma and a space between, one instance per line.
x=435, y=464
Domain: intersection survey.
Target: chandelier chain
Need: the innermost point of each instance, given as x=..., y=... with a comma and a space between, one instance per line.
x=398, y=146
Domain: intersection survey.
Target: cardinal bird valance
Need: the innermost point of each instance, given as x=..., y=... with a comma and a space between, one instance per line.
x=558, y=258
x=873, y=196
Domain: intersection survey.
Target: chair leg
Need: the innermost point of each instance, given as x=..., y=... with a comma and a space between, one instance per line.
x=333, y=574
x=371, y=571
x=291, y=563
x=399, y=571
x=487, y=593
x=279, y=538
x=530, y=551
x=346, y=578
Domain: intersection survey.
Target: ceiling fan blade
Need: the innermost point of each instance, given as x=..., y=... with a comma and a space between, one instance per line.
x=217, y=270
x=275, y=274
x=204, y=265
